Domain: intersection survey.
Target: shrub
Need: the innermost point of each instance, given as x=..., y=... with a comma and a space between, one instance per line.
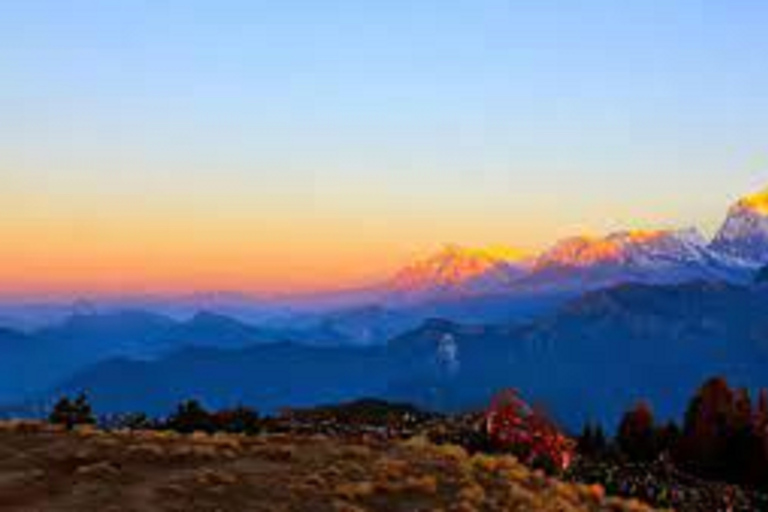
x=135, y=421
x=191, y=416
x=514, y=427
x=72, y=412
x=240, y=420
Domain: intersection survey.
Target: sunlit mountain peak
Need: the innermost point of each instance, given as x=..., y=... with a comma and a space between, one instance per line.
x=756, y=202
x=620, y=247
x=582, y=250
x=454, y=265
x=744, y=234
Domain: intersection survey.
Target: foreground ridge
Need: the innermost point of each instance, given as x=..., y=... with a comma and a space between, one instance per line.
x=48, y=468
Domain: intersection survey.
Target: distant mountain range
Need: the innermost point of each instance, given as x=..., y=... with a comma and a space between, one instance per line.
x=585, y=361
x=33, y=361
x=586, y=263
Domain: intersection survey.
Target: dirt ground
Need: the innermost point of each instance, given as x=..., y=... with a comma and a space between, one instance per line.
x=44, y=469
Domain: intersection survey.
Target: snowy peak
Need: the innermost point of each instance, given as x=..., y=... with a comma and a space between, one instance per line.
x=579, y=251
x=455, y=266
x=577, y=263
x=744, y=234
x=757, y=203
x=590, y=262
x=657, y=257
x=625, y=248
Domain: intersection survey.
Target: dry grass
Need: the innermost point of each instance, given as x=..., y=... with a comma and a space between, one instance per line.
x=355, y=490
x=98, y=470
x=86, y=470
x=277, y=453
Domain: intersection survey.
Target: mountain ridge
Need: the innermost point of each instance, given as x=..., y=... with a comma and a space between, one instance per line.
x=589, y=262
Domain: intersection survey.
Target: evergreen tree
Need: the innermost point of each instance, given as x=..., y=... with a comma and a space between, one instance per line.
x=708, y=427
x=586, y=439
x=761, y=411
x=592, y=441
x=667, y=438
x=600, y=440
x=636, y=436
x=741, y=416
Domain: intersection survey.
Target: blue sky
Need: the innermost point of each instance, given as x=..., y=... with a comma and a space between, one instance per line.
x=361, y=132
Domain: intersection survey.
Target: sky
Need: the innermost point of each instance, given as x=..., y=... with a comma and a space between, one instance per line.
x=187, y=145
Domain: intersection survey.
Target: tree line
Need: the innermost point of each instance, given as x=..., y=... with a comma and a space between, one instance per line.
x=189, y=416
x=723, y=436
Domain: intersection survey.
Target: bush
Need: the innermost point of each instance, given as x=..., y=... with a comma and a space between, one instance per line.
x=136, y=421
x=240, y=420
x=71, y=413
x=514, y=427
x=191, y=416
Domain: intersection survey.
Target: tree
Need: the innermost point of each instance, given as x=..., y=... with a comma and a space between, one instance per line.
x=592, y=441
x=761, y=412
x=741, y=414
x=585, y=442
x=667, y=438
x=72, y=412
x=600, y=440
x=637, y=433
x=745, y=457
x=708, y=425
x=191, y=416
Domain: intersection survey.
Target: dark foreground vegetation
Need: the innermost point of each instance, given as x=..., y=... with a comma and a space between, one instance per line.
x=717, y=459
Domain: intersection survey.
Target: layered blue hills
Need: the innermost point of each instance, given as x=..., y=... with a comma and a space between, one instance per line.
x=587, y=360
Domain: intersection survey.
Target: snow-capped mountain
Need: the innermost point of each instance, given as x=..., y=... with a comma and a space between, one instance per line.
x=588, y=262
x=744, y=235
x=578, y=264
x=458, y=270
x=664, y=256
x=640, y=248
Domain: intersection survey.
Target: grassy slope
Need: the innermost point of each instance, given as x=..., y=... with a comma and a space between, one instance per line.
x=45, y=469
